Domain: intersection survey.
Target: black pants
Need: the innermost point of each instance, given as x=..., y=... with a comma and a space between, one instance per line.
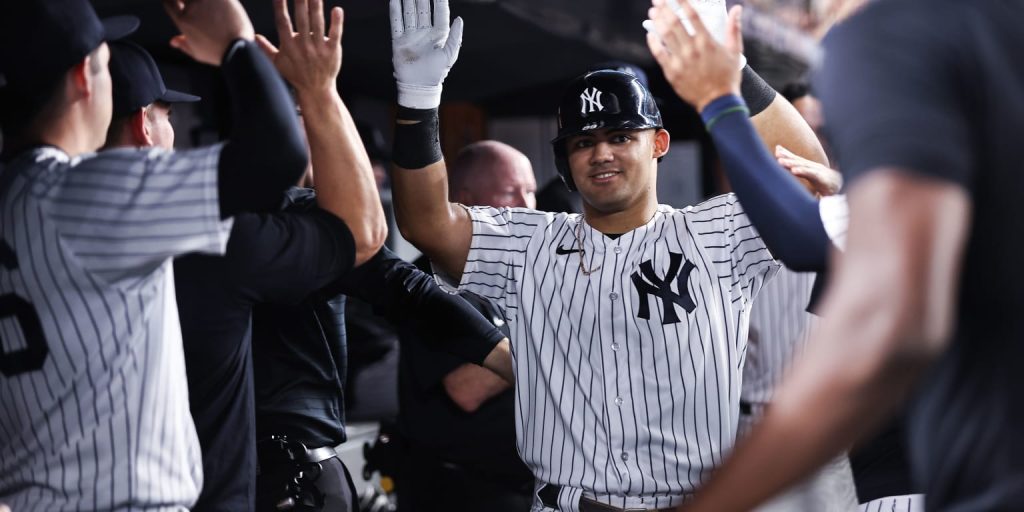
x=426, y=485
x=334, y=484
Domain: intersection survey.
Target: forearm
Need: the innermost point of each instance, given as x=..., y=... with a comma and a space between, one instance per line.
x=471, y=386
x=781, y=125
x=784, y=212
x=264, y=154
x=404, y=294
x=343, y=173
x=426, y=218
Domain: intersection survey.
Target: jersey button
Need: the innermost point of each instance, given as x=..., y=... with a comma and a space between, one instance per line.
x=618, y=400
x=617, y=250
x=615, y=346
x=625, y=456
x=613, y=296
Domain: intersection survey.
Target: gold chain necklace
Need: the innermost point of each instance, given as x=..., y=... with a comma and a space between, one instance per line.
x=578, y=232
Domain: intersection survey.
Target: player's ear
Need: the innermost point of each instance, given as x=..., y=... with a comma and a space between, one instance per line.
x=661, y=142
x=140, y=128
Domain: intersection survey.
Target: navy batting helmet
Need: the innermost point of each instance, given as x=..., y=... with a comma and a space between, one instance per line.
x=601, y=100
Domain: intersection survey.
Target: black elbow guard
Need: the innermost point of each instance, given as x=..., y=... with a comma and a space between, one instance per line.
x=417, y=145
x=755, y=91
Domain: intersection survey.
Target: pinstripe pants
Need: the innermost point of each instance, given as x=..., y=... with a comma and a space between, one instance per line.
x=831, y=489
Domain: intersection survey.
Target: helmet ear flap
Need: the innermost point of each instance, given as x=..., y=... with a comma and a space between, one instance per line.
x=562, y=166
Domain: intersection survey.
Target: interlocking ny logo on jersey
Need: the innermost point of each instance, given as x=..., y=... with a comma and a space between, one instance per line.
x=590, y=101
x=662, y=288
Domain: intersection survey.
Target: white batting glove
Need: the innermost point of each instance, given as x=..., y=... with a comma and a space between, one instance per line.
x=424, y=48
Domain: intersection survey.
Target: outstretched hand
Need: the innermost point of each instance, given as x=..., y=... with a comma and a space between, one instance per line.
x=208, y=27
x=821, y=180
x=699, y=68
x=424, y=48
x=308, y=58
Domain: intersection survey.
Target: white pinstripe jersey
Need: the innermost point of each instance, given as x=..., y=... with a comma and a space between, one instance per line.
x=620, y=392
x=779, y=323
x=93, y=398
x=835, y=216
x=779, y=327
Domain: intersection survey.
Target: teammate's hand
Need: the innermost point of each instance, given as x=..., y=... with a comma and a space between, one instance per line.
x=699, y=69
x=424, y=48
x=208, y=27
x=307, y=59
x=820, y=180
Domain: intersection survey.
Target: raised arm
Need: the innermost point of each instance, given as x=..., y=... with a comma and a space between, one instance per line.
x=424, y=48
x=264, y=154
x=343, y=173
x=707, y=75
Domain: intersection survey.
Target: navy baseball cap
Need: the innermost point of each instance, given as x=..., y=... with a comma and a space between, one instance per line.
x=137, y=81
x=40, y=40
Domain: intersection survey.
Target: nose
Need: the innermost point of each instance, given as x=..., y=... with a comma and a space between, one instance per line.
x=601, y=153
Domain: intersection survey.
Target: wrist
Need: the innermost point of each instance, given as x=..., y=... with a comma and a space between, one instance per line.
x=703, y=104
x=422, y=97
x=722, y=106
x=309, y=98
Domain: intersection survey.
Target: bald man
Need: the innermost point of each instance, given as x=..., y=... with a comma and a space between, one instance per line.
x=459, y=420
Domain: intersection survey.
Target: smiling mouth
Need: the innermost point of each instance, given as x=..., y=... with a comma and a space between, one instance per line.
x=604, y=175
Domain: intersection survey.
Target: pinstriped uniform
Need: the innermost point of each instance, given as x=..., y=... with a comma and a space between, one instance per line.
x=104, y=422
x=779, y=327
x=626, y=396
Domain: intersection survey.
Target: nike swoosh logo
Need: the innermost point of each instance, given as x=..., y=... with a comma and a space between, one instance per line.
x=563, y=250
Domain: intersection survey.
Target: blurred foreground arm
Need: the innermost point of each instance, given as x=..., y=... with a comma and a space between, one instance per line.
x=888, y=315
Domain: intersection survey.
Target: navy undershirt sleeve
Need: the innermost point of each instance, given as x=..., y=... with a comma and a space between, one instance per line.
x=406, y=295
x=265, y=153
x=784, y=213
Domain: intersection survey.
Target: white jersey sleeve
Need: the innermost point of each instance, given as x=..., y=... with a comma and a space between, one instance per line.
x=497, y=253
x=122, y=215
x=835, y=216
x=723, y=229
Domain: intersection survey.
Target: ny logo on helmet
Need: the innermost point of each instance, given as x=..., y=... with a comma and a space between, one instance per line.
x=591, y=101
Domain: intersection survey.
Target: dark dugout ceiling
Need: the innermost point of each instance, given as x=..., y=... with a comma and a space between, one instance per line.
x=513, y=51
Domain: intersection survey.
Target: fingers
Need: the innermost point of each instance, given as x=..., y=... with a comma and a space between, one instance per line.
x=677, y=10
x=181, y=43
x=454, y=43
x=734, y=30
x=423, y=18
x=658, y=50
x=268, y=48
x=409, y=14
x=699, y=30
x=282, y=21
x=442, y=13
x=337, y=24
x=395, y=13
x=302, y=17
x=316, y=19
x=669, y=29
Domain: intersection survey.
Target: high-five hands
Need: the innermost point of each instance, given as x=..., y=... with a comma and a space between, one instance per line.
x=699, y=68
x=424, y=47
x=208, y=27
x=308, y=58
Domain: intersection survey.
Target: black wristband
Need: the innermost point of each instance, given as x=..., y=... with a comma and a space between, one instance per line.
x=755, y=91
x=418, y=144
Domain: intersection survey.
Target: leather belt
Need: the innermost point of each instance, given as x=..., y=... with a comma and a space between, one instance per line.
x=548, y=495
x=589, y=505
